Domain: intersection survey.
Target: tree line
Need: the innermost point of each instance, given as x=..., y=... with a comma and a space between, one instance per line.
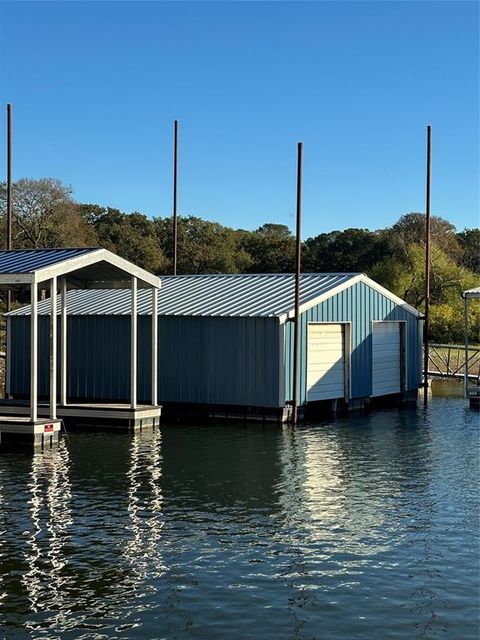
x=46, y=215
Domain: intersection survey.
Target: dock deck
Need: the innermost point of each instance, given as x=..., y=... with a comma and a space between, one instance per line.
x=123, y=414
x=43, y=432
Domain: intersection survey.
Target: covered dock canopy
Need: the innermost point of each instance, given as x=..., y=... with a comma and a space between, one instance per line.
x=79, y=268
x=469, y=294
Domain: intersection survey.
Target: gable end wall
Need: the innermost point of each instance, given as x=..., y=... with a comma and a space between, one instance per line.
x=360, y=305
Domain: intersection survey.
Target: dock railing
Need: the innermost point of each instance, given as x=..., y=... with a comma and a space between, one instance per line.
x=448, y=361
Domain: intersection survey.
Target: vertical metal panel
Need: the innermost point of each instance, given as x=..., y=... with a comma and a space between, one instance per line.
x=360, y=305
x=386, y=357
x=19, y=356
x=201, y=360
x=219, y=361
x=98, y=365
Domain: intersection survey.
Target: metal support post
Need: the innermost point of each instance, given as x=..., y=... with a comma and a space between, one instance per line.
x=33, y=351
x=63, y=342
x=133, y=345
x=465, y=331
x=154, y=346
x=53, y=348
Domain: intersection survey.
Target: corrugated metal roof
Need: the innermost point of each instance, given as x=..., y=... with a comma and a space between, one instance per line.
x=472, y=293
x=239, y=295
x=17, y=261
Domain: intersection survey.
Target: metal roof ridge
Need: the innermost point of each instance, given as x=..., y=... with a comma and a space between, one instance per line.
x=170, y=276
x=52, y=249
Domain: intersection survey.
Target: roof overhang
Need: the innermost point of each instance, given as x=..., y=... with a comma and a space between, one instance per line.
x=95, y=270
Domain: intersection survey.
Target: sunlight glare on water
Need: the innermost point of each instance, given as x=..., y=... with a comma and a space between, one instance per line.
x=361, y=528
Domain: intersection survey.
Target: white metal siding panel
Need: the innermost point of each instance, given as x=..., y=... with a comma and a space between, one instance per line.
x=325, y=362
x=386, y=358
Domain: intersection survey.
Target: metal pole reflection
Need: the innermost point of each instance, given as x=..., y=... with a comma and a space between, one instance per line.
x=51, y=517
x=145, y=506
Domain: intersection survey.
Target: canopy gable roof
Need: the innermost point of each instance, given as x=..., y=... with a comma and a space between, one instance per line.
x=87, y=267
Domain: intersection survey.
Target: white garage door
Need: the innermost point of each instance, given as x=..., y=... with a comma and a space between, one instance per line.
x=386, y=359
x=325, y=362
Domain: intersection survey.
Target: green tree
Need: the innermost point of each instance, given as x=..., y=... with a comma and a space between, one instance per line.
x=406, y=277
x=131, y=236
x=350, y=250
x=410, y=229
x=469, y=240
x=276, y=230
x=202, y=246
x=269, y=252
x=447, y=322
x=45, y=215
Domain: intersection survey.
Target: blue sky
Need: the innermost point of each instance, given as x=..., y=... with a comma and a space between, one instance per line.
x=95, y=87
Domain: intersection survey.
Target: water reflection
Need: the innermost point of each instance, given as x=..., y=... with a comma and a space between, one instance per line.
x=368, y=485
x=123, y=509
x=46, y=579
x=222, y=469
x=143, y=549
x=332, y=496
x=84, y=560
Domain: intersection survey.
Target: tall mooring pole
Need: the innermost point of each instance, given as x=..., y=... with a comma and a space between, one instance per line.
x=9, y=190
x=298, y=260
x=427, y=266
x=175, y=188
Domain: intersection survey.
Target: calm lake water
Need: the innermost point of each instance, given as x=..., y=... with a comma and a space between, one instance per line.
x=364, y=528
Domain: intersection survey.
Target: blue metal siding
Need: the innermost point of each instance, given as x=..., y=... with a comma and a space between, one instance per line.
x=98, y=354
x=201, y=360
x=210, y=360
x=360, y=305
x=220, y=360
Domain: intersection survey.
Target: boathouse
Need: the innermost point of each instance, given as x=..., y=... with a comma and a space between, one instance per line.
x=226, y=343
